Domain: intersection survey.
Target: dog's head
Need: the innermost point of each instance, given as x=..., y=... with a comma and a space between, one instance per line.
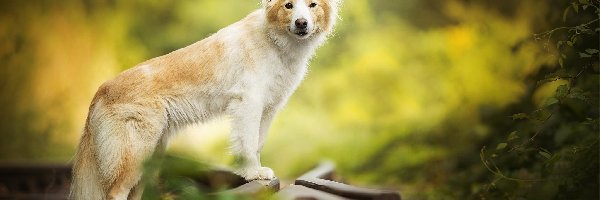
x=301, y=18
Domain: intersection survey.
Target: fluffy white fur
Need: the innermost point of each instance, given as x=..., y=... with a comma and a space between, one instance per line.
x=247, y=70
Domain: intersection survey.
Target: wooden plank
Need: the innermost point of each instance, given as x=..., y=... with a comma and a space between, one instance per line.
x=321, y=178
x=298, y=192
x=347, y=190
x=29, y=181
x=36, y=196
x=256, y=186
x=51, y=182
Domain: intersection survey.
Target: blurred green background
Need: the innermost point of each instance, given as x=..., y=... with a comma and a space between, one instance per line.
x=417, y=96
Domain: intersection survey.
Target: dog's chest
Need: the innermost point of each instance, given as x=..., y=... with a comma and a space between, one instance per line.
x=279, y=81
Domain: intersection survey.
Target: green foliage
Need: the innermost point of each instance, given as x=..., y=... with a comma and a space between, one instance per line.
x=556, y=154
x=170, y=177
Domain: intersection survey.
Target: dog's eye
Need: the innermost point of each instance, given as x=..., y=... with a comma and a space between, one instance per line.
x=312, y=5
x=289, y=6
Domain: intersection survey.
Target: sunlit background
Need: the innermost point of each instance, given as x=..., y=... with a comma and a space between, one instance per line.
x=398, y=97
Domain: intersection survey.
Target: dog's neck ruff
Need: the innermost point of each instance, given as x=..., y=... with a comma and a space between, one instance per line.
x=292, y=48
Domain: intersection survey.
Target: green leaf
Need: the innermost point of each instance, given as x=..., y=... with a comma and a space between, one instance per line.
x=519, y=116
x=584, y=7
x=545, y=154
x=555, y=75
x=577, y=95
x=584, y=55
x=570, y=43
x=512, y=136
x=592, y=51
x=576, y=90
x=551, y=101
x=561, y=62
x=560, y=44
x=576, y=7
x=565, y=13
x=562, y=91
x=501, y=146
x=584, y=2
x=582, y=28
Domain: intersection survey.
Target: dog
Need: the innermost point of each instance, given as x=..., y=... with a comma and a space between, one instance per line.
x=247, y=71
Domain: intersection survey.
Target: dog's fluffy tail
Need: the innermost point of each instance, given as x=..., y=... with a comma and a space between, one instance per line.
x=85, y=176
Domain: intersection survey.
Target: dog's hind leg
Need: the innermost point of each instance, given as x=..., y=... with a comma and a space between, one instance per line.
x=122, y=147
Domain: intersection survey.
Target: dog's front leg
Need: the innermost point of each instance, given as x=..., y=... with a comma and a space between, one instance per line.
x=246, y=119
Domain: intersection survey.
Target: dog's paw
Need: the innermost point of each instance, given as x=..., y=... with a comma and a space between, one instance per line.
x=256, y=173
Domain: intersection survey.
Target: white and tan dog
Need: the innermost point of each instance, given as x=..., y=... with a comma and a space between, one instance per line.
x=247, y=70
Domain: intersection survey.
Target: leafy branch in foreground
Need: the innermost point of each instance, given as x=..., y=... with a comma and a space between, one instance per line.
x=554, y=148
x=574, y=31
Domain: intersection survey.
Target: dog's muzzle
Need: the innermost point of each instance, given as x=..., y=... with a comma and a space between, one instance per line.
x=301, y=27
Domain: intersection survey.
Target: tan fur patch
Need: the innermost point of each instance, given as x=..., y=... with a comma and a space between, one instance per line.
x=278, y=15
x=190, y=65
x=185, y=67
x=125, y=174
x=322, y=15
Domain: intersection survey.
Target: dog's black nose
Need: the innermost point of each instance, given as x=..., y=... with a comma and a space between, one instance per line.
x=301, y=23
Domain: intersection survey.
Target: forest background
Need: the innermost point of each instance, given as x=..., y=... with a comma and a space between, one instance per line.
x=440, y=99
